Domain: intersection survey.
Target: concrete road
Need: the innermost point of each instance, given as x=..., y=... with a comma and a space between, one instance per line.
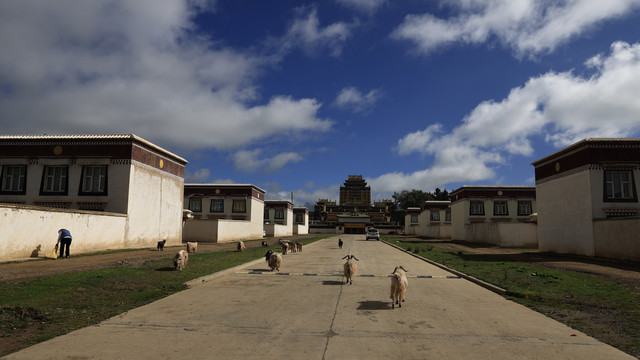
x=247, y=314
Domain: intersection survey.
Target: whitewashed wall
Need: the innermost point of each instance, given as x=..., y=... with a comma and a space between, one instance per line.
x=155, y=208
x=25, y=227
x=617, y=238
x=565, y=215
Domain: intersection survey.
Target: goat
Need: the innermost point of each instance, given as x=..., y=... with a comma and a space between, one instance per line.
x=273, y=259
x=265, y=244
x=160, y=246
x=285, y=248
x=350, y=269
x=240, y=246
x=192, y=247
x=340, y=243
x=398, y=286
x=299, y=246
x=180, y=260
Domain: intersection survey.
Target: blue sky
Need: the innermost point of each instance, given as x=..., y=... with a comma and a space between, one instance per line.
x=296, y=95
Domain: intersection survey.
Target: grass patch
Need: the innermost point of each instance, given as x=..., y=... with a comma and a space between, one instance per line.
x=37, y=310
x=600, y=308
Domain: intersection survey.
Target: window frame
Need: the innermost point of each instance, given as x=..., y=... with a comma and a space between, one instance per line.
x=236, y=209
x=83, y=192
x=22, y=180
x=434, y=215
x=500, y=208
x=414, y=219
x=216, y=201
x=447, y=215
x=530, y=205
x=277, y=212
x=195, y=200
x=299, y=219
x=631, y=186
x=480, y=207
x=64, y=180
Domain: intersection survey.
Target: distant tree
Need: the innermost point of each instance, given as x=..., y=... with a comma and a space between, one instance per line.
x=414, y=198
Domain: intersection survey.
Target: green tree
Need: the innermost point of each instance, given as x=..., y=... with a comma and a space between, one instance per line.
x=414, y=198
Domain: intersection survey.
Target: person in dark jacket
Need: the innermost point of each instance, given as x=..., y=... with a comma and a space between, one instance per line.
x=64, y=240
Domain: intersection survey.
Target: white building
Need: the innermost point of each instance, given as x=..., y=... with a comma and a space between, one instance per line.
x=300, y=220
x=497, y=215
x=223, y=212
x=110, y=191
x=278, y=218
x=587, y=199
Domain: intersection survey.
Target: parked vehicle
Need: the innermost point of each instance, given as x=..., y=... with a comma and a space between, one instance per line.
x=373, y=234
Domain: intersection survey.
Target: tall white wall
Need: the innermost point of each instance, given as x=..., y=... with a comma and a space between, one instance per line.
x=155, y=207
x=565, y=211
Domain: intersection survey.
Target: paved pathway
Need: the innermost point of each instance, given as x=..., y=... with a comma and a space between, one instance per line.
x=310, y=313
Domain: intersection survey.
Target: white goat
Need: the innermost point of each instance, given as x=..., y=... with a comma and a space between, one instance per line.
x=350, y=269
x=180, y=260
x=273, y=259
x=398, y=286
x=192, y=247
x=240, y=246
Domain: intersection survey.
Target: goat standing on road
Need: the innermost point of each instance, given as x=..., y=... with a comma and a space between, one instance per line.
x=350, y=268
x=398, y=286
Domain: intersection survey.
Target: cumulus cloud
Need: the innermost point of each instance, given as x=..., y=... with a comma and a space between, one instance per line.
x=365, y=6
x=306, y=33
x=351, y=98
x=250, y=161
x=136, y=67
x=560, y=108
x=528, y=26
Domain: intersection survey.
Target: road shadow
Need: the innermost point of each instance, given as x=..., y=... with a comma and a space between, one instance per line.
x=332, y=282
x=374, y=305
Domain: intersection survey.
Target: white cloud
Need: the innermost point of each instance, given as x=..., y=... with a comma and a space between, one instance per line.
x=198, y=176
x=366, y=6
x=69, y=67
x=249, y=161
x=528, y=26
x=306, y=33
x=561, y=108
x=352, y=99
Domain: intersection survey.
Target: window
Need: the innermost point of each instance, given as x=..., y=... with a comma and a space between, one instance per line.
x=14, y=179
x=266, y=214
x=476, y=208
x=500, y=208
x=524, y=208
x=239, y=206
x=217, y=205
x=447, y=215
x=435, y=215
x=195, y=204
x=619, y=186
x=414, y=219
x=54, y=180
x=279, y=214
x=94, y=180
x=299, y=219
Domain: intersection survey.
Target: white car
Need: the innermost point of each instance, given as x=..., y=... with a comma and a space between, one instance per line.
x=373, y=234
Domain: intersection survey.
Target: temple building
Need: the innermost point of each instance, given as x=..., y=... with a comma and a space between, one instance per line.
x=354, y=214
